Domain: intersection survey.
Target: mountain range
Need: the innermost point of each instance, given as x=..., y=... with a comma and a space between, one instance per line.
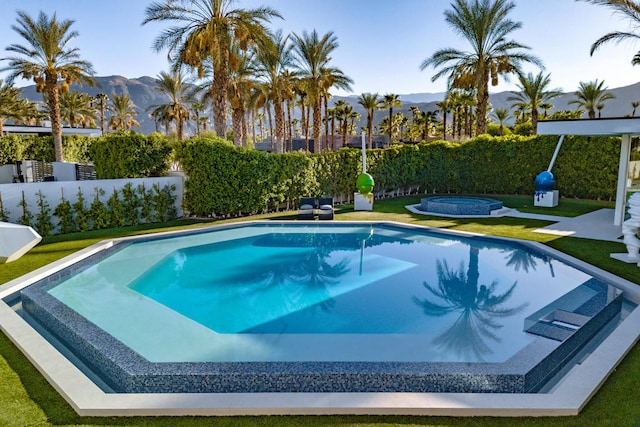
x=143, y=94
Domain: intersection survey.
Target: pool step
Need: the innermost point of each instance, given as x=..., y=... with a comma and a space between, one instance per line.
x=558, y=325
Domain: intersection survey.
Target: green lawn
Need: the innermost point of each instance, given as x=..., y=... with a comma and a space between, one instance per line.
x=27, y=399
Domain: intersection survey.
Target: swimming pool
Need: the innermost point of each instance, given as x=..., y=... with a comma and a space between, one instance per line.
x=291, y=307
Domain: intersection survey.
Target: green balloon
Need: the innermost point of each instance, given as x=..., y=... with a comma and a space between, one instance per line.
x=364, y=183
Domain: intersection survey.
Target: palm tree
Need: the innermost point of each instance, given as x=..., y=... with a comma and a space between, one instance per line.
x=241, y=83
x=467, y=103
x=197, y=108
x=177, y=107
x=445, y=107
x=371, y=103
x=429, y=117
x=13, y=107
x=206, y=30
x=590, y=95
x=313, y=55
x=454, y=98
x=390, y=101
x=343, y=115
x=485, y=25
x=534, y=92
x=634, y=105
x=332, y=115
x=522, y=110
x=501, y=114
x=545, y=107
x=102, y=100
x=332, y=77
x=301, y=99
x=124, y=113
x=627, y=8
x=49, y=61
x=75, y=108
x=273, y=61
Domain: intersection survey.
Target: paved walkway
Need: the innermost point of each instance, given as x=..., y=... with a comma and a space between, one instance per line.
x=597, y=225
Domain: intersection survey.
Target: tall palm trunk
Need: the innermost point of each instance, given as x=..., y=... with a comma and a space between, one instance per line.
x=245, y=127
x=483, y=101
x=180, y=128
x=51, y=87
x=305, y=125
x=468, y=122
x=278, y=112
x=390, y=125
x=326, y=119
x=444, y=125
x=236, y=123
x=219, y=96
x=253, y=124
x=333, y=133
x=370, y=130
x=270, y=118
x=317, y=125
x=290, y=123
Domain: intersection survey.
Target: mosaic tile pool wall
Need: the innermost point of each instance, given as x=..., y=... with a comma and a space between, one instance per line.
x=125, y=371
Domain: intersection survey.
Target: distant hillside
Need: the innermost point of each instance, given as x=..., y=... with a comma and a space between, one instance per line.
x=143, y=94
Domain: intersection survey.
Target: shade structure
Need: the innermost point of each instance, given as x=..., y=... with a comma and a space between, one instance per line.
x=16, y=240
x=626, y=127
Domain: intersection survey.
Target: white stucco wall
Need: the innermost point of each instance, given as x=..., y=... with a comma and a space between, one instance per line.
x=12, y=193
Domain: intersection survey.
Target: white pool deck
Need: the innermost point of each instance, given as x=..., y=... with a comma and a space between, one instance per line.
x=596, y=225
x=567, y=398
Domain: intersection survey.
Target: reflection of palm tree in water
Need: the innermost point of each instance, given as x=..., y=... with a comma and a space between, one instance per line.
x=478, y=306
x=314, y=272
x=525, y=260
x=309, y=271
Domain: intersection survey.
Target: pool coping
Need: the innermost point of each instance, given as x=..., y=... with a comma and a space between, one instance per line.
x=566, y=398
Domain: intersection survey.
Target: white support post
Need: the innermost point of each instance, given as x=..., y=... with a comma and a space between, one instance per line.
x=623, y=171
x=364, y=154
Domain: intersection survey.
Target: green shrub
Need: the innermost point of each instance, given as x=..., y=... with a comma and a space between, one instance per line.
x=43, y=219
x=82, y=215
x=27, y=217
x=116, y=217
x=64, y=212
x=227, y=180
x=130, y=155
x=130, y=205
x=98, y=212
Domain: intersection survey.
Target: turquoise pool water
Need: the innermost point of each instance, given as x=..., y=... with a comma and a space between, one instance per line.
x=322, y=293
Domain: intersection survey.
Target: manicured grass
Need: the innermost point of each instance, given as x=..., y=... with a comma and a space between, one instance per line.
x=27, y=399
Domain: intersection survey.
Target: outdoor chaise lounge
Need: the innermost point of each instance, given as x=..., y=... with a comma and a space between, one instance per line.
x=307, y=208
x=325, y=210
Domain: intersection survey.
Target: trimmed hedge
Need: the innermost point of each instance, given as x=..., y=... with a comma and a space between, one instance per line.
x=130, y=155
x=226, y=180
x=32, y=147
x=116, y=155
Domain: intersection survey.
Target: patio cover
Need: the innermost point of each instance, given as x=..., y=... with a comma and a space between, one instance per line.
x=625, y=127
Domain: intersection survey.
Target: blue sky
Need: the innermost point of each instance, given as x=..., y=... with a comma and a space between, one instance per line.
x=382, y=43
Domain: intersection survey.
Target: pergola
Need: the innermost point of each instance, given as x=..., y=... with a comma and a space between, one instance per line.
x=626, y=127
